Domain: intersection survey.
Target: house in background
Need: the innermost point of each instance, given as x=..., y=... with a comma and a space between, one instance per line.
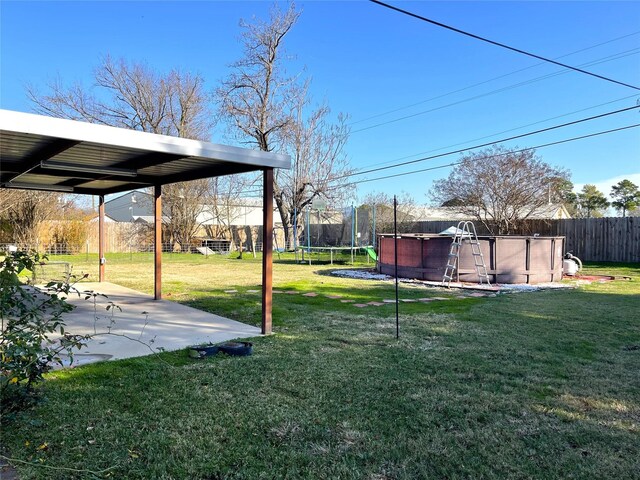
x=551, y=211
x=131, y=207
x=240, y=221
x=137, y=207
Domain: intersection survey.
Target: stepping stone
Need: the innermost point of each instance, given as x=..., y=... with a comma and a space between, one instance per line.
x=360, y=305
x=347, y=301
x=461, y=296
x=291, y=292
x=477, y=294
x=333, y=296
x=277, y=291
x=407, y=300
x=387, y=300
x=310, y=294
x=439, y=298
x=376, y=304
x=253, y=291
x=231, y=291
x=425, y=299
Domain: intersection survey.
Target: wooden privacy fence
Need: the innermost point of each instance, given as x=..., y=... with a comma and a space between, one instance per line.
x=609, y=239
x=602, y=239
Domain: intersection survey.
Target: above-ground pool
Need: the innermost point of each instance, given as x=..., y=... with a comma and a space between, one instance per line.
x=508, y=259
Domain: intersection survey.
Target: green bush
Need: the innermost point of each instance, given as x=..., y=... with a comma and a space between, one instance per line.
x=33, y=332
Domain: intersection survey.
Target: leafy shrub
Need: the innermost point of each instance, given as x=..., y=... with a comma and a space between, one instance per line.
x=31, y=320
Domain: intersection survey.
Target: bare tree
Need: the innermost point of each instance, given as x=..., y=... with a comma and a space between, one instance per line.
x=225, y=198
x=132, y=95
x=8, y=198
x=499, y=187
x=320, y=169
x=266, y=108
x=383, y=205
x=27, y=212
x=186, y=206
x=255, y=97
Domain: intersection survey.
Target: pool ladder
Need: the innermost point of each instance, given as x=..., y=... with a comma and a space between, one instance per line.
x=465, y=229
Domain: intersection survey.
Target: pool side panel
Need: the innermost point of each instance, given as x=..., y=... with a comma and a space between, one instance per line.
x=508, y=259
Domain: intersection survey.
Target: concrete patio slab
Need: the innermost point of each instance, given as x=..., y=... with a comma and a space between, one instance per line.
x=165, y=325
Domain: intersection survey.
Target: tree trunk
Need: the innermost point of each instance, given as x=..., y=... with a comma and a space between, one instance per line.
x=284, y=214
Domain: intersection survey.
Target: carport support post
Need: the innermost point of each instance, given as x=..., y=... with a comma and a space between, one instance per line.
x=101, y=259
x=267, y=249
x=157, y=242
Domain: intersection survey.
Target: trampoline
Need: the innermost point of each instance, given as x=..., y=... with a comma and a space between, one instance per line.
x=333, y=251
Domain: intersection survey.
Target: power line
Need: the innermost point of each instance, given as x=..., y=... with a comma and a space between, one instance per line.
x=498, y=44
x=504, y=131
x=582, y=120
x=489, y=80
x=616, y=56
x=573, y=139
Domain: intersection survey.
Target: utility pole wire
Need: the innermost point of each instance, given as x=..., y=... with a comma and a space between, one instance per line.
x=498, y=44
x=506, y=88
x=377, y=115
x=453, y=164
x=504, y=131
x=491, y=143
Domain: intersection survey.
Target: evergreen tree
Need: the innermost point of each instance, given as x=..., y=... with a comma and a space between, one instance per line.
x=626, y=196
x=591, y=201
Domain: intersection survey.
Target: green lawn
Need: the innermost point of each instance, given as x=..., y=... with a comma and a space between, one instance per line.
x=528, y=385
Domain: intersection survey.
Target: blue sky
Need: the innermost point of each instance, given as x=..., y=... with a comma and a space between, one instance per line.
x=365, y=61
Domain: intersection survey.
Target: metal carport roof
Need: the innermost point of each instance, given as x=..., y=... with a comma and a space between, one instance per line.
x=53, y=154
